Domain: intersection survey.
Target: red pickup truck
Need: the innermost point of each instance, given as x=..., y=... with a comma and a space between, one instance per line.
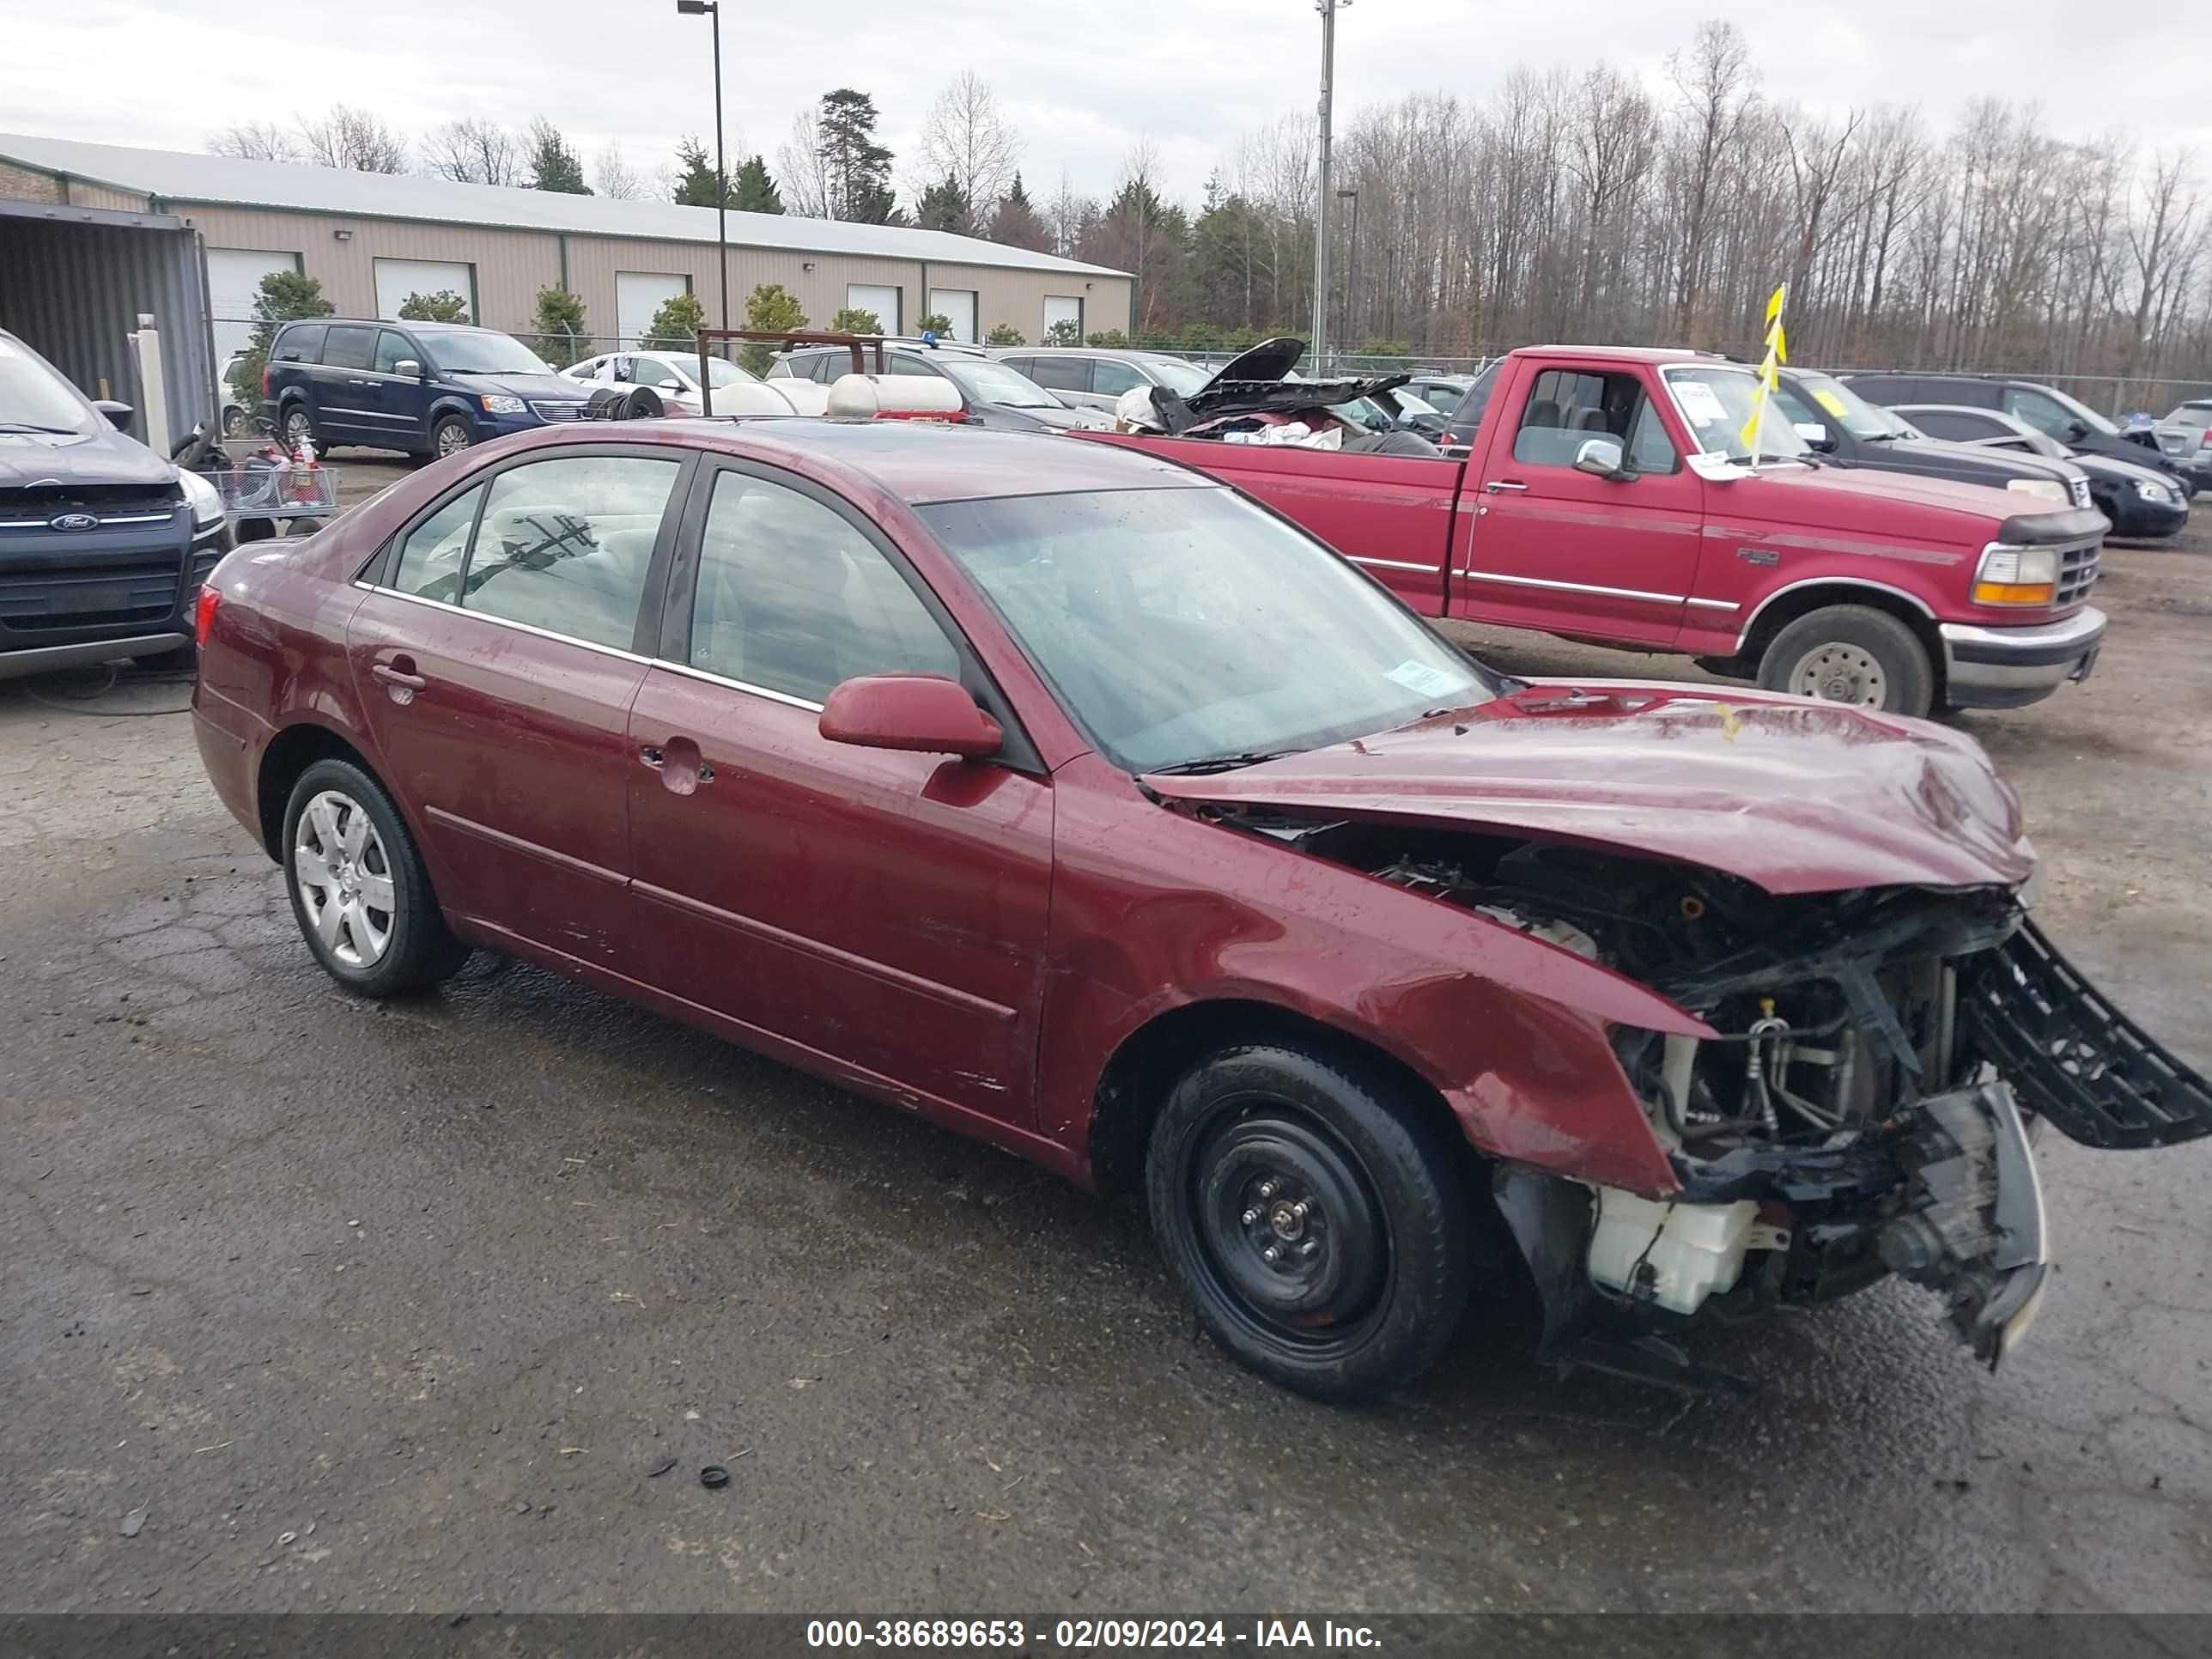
x=1606, y=494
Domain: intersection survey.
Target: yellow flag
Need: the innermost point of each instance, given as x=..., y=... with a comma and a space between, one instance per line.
x=1769, y=381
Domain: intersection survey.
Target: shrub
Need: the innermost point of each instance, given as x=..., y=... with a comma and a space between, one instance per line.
x=855, y=319
x=676, y=324
x=939, y=323
x=443, y=307
x=1065, y=332
x=559, y=323
x=770, y=306
x=1004, y=334
x=283, y=295
x=1111, y=337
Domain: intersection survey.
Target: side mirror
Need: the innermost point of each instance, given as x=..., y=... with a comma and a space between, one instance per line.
x=671, y=384
x=118, y=415
x=1815, y=434
x=1601, y=458
x=2075, y=431
x=408, y=365
x=918, y=713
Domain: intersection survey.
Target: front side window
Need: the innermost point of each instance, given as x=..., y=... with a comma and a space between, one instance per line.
x=1180, y=625
x=564, y=544
x=1113, y=377
x=1567, y=407
x=1956, y=426
x=391, y=350
x=791, y=598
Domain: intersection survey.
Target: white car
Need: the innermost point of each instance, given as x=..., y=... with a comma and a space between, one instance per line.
x=675, y=376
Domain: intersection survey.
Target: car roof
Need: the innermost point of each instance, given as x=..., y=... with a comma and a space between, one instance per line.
x=1128, y=354
x=1629, y=353
x=408, y=323
x=923, y=461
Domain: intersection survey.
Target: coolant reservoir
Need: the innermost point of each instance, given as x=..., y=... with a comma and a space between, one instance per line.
x=1682, y=1253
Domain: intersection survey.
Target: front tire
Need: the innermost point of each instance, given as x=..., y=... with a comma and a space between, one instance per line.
x=359, y=889
x=450, y=436
x=1853, y=654
x=1314, y=1216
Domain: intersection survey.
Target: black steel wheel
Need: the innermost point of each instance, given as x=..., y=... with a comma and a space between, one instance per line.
x=1315, y=1217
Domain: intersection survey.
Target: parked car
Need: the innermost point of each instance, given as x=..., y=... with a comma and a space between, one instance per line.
x=1441, y=392
x=991, y=393
x=1218, y=875
x=103, y=543
x=1608, y=497
x=234, y=415
x=2140, y=500
x=1094, y=377
x=673, y=377
x=431, y=389
x=2045, y=408
x=2182, y=438
x=1846, y=430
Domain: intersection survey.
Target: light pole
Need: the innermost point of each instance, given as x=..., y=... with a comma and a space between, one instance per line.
x=714, y=11
x=1351, y=264
x=1328, y=9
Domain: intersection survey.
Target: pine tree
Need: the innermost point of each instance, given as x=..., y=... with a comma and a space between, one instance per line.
x=1015, y=222
x=943, y=207
x=754, y=189
x=560, y=326
x=696, y=186
x=858, y=169
x=553, y=165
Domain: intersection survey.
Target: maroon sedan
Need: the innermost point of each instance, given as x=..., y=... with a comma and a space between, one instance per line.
x=1073, y=800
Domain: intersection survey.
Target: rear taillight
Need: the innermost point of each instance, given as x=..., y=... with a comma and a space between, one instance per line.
x=264, y=380
x=204, y=614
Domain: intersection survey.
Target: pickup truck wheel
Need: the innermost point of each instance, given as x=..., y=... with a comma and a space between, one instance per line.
x=359, y=889
x=1851, y=653
x=1315, y=1217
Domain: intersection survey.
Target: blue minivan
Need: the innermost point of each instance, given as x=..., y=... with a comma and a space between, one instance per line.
x=431, y=389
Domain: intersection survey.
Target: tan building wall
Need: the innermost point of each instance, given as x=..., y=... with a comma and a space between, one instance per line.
x=512, y=265
x=82, y=194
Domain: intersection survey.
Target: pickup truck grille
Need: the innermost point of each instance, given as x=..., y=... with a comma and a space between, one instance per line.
x=2077, y=574
x=96, y=597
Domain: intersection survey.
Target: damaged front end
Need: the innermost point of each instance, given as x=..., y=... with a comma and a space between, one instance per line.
x=1865, y=1107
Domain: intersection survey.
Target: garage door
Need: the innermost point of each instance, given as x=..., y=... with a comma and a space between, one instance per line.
x=959, y=305
x=639, y=294
x=397, y=278
x=234, y=276
x=883, y=302
x=1063, y=308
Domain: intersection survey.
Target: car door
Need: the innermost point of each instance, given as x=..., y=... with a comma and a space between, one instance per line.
x=883, y=911
x=343, y=390
x=497, y=656
x=1553, y=548
x=1067, y=377
x=394, y=401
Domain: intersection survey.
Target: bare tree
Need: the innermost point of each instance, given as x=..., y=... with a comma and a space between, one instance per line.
x=614, y=178
x=1717, y=89
x=473, y=151
x=802, y=172
x=968, y=141
x=353, y=139
x=255, y=141
x=1071, y=214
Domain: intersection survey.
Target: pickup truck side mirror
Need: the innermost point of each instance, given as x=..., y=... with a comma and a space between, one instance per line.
x=2077, y=431
x=1601, y=458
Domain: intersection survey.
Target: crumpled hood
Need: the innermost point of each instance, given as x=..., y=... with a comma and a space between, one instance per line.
x=108, y=457
x=1792, y=795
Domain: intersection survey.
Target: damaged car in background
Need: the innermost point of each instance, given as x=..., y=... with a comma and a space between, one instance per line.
x=1058, y=794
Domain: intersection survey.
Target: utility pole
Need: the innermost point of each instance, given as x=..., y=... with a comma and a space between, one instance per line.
x=1328, y=9
x=1351, y=268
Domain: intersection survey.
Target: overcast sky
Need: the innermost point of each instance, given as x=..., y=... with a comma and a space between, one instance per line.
x=1083, y=79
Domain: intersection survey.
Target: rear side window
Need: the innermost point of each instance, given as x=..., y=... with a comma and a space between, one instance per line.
x=564, y=544
x=792, y=599
x=349, y=347
x=430, y=556
x=1058, y=374
x=300, y=343
x=1112, y=376
x=1957, y=426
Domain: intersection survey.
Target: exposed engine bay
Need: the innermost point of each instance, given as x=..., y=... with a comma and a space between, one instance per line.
x=1864, y=1109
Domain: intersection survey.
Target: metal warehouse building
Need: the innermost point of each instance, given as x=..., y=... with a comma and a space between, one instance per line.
x=373, y=239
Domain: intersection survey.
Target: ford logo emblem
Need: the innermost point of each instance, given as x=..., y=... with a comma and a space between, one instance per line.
x=73, y=521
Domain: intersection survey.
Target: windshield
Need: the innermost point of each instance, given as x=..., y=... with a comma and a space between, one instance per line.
x=1829, y=401
x=988, y=382
x=725, y=374
x=1177, y=376
x=32, y=395
x=1178, y=624
x=484, y=353
x=1717, y=402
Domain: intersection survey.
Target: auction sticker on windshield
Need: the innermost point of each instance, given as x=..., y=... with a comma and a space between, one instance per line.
x=1699, y=402
x=1428, y=681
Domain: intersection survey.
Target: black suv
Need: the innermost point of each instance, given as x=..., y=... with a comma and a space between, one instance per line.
x=428, y=388
x=2045, y=408
x=103, y=543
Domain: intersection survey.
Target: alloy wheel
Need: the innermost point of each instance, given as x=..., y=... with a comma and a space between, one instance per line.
x=452, y=439
x=343, y=876
x=297, y=428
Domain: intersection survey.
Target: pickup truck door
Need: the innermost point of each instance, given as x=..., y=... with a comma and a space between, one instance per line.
x=1390, y=515
x=1549, y=547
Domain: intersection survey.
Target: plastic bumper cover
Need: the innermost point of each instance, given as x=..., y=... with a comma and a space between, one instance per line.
x=2007, y=667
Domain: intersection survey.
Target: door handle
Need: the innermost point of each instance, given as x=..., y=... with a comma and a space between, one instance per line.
x=682, y=768
x=390, y=675
x=1498, y=486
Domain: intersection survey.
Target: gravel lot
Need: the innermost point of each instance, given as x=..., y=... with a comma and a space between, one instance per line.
x=401, y=1307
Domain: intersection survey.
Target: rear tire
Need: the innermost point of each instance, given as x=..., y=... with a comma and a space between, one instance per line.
x=359, y=889
x=1333, y=1166
x=298, y=424
x=1854, y=654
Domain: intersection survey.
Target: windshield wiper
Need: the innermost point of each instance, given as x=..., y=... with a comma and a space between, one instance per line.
x=1219, y=762
x=30, y=426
